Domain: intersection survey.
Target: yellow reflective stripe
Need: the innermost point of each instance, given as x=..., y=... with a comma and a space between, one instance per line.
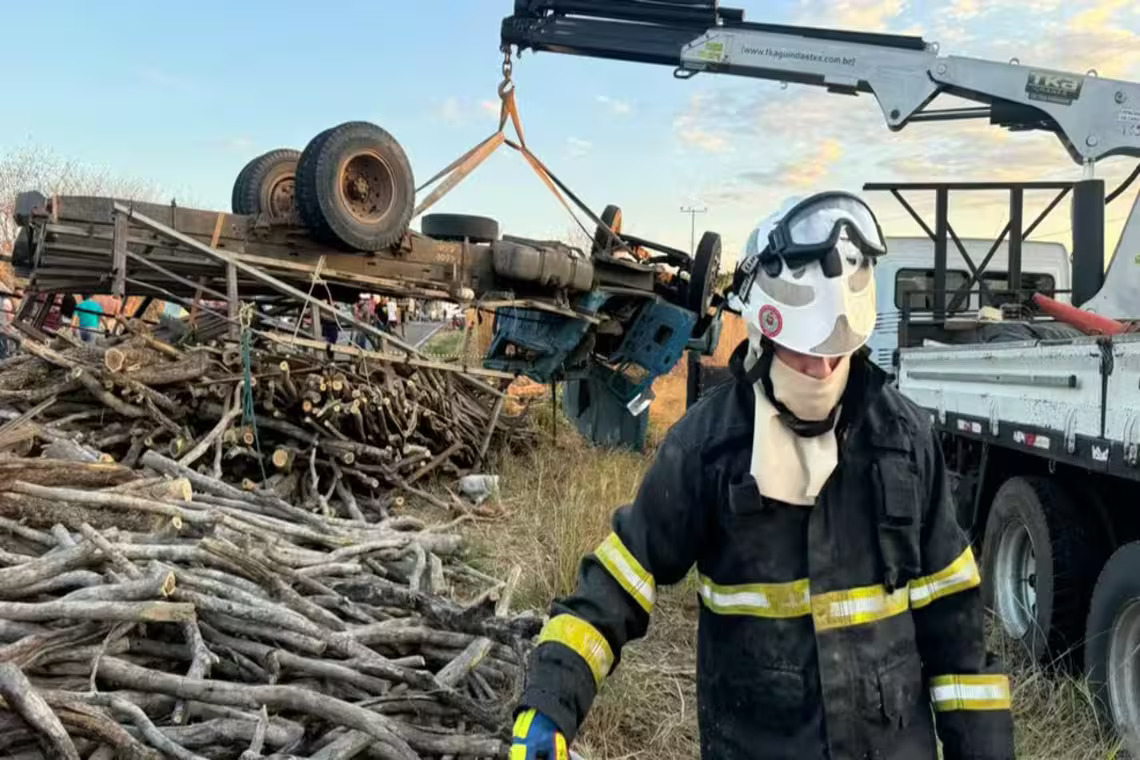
x=839, y=609
x=523, y=722
x=771, y=600
x=584, y=639
x=970, y=692
x=518, y=752
x=561, y=751
x=627, y=571
x=959, y=575
x=834, y=609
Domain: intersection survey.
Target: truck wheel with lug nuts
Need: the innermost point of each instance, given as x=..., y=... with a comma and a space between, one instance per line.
x=1040, y=558
x=355, y=187
x=1112, y=642
x=266, y=185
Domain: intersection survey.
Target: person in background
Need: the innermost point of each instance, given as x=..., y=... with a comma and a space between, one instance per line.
x=90, y=317
x=393, y=315
x=67, y=310
x=362, y=311
x=330, y=329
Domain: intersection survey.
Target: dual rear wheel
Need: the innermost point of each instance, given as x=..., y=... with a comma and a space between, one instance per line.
x=352, y=187
x=1056, y=592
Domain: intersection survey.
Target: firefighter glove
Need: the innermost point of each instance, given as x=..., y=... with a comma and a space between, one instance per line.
x=537, y=738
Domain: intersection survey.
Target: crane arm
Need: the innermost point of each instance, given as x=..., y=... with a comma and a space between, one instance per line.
x=1094, y=117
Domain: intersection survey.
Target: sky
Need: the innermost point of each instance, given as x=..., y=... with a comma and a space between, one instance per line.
x=181, y=95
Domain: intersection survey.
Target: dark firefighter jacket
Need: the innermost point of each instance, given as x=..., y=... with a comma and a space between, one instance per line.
x=850, y=630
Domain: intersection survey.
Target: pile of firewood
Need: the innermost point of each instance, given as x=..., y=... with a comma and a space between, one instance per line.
x=345, y=436
x=199, y=556
x=177, y=614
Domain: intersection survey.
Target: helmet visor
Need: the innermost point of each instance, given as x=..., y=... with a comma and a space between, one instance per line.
x=813, y=227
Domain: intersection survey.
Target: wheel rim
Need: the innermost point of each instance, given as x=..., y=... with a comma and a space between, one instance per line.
x=1015, y=580
x=365, y=186
x=1124, y=672
x=277, y=198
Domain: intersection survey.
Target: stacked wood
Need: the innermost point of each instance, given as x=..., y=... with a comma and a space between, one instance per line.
x=347, y=436
x=158, y=612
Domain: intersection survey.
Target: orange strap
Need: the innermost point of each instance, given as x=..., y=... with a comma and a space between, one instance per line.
x=465, y=164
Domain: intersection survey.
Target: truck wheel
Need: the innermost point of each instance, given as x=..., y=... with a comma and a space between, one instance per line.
x=355, y=187
x=702, y=278
x=265, y=185
x=611, y=216
x=1112, y=636
x=1040, y=557
x=460, y=227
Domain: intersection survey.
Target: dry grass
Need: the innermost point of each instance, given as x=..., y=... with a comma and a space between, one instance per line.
x=558, y=501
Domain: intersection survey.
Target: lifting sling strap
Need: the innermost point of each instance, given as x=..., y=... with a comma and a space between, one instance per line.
x=457, y=170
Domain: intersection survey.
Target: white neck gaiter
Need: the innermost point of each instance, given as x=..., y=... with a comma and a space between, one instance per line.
x=787, y=467
x=809, y=398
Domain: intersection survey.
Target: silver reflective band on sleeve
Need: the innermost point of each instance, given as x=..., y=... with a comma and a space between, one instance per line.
x=970, y=692
x=627, y=571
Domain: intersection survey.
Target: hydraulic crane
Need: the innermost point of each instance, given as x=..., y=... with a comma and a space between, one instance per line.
x=1094, y=117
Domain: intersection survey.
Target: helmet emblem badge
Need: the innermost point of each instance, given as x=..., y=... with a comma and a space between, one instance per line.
x=771, y=322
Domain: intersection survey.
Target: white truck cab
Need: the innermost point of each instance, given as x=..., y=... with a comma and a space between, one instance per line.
x=905, y=278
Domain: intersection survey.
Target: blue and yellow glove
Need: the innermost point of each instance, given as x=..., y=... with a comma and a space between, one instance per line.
x=537, y=738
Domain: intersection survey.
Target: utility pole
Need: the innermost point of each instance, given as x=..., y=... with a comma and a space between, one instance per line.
x=692, y=211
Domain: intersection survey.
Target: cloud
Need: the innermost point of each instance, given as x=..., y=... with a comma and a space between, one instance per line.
x=450, y=111
x=756, y=143
x=615, y=106
x=238, y=143
x=805, y=173
x=706, y=124
x=962, y=10
x=577, y=147
x=490, y=106
x=856, y=15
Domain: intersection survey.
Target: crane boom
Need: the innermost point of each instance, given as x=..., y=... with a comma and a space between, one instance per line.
x=1094, y=117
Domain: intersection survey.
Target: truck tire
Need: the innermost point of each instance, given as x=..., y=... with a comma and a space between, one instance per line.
x=305, y=195
x=460, y=227
x=266, y=185
x=355, y=187
x=611, y=216
x=1040, y=557
x=702, y=277
x=1112, y=634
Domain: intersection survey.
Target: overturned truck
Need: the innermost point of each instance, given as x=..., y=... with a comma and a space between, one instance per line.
x=339, y=212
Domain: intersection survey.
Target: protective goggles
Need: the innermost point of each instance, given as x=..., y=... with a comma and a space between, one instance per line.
x=813, y=227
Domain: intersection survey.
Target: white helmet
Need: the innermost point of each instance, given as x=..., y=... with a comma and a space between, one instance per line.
x=806, y=281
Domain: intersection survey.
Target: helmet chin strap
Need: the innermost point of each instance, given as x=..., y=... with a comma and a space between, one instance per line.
x=761, y=372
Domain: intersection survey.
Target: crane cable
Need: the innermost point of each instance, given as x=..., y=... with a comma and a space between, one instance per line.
x=1123, y=185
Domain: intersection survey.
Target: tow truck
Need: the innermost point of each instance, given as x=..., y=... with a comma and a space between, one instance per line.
x=1042, y=433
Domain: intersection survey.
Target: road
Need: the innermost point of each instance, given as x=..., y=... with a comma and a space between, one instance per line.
x=415, y=333
x=418, y=333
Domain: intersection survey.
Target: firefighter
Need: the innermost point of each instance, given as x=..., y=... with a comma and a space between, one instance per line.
x=840, y=615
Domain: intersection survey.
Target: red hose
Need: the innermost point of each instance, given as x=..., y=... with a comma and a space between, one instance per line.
x=1085, y=321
